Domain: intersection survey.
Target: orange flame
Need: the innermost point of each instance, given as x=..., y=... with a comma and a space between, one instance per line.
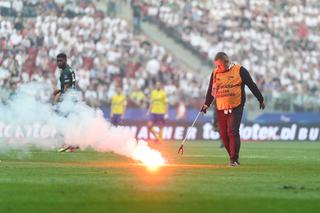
x=152, y=159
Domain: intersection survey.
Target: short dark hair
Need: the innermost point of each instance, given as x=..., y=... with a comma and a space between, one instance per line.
x=222, y=56
x=62, y=55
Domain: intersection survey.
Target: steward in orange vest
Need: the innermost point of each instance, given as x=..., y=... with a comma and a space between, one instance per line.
x=226, y=85
x=227, y=89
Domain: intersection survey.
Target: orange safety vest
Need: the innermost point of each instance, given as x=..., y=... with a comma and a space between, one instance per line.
x=226, y=88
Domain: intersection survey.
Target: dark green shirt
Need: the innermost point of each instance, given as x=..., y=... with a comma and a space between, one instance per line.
x=67, y=78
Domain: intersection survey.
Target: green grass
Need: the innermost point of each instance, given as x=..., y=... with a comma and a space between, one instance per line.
x=273, y=177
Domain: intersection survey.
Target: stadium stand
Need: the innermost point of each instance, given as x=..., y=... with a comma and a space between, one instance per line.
x=103, y=51
x=277, y=42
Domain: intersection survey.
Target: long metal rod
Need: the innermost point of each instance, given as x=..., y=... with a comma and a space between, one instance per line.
x=189, y=129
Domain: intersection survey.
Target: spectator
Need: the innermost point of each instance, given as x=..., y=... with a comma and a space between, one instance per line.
x=136, y=8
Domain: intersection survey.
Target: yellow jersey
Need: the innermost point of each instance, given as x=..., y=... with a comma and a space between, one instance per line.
x=158, y=102
x=118, y=104
x=137, y=96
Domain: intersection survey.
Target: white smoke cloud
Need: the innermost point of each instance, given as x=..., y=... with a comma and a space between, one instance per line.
x=27, y=119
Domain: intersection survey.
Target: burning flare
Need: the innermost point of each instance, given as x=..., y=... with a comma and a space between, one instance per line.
x=152, y=159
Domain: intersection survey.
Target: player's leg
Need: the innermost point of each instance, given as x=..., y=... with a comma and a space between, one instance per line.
x=65, y=147
x=154, y=132
x=160, y=133
x=55, y=99
x=151, y=123
x=115, y=119
x=150, y=129
x=161, y=122
x=56, y=96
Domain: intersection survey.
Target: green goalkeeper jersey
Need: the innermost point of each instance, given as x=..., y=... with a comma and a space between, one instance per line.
x=67, y=79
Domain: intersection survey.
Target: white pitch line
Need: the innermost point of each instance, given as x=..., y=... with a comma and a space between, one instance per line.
x=254, y=157
x=192, y=156
x=222, y=156
x=202, y=156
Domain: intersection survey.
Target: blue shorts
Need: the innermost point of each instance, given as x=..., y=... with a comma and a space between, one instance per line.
x=157, y=118
x=116, y=119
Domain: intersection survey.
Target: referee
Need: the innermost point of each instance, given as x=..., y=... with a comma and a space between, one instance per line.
x=226, y=85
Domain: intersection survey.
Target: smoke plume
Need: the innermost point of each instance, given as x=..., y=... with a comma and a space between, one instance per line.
x=28, y=119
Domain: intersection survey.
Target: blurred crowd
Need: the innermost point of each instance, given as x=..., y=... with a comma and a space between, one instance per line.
x=276, y=40
x=104, y=52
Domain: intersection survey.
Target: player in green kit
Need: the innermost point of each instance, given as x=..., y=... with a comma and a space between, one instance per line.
x=67, y=80
x=67, y=77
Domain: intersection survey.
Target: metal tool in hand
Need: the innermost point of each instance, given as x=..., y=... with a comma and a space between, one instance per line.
x=180, y=151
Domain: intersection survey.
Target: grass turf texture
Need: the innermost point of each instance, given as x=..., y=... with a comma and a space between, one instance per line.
x=273, y=177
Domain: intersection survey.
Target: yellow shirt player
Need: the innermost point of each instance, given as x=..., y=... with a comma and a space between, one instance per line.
x=138, y=97
x=157, y=110
x=118, y=107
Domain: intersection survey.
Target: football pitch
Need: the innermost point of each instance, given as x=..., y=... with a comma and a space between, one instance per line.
x=273, y=177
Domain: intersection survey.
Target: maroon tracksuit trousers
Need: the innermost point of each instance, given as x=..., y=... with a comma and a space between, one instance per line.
x=229, y=125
